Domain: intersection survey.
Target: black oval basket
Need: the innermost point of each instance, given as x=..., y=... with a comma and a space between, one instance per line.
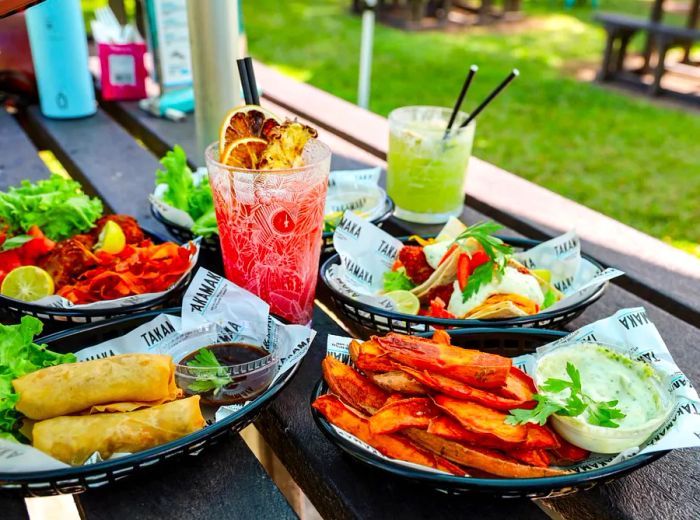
x=328, y=248
x=507, y=342
x=58, y=318
x=210, y=244
x=375, y=319
x=81, y=478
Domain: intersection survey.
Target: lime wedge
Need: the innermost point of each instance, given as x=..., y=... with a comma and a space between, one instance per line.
x=27, y=283
x=406, y=302
x=111, y=239
x=545, y=274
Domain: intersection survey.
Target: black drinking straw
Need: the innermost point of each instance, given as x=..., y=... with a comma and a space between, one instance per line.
x=245, y=84
x=490, y=97
x=251, y=81
x=460, y=98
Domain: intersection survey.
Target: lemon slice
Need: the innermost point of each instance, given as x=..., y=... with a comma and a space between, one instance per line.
x=27, y=283
x=545, y=274
x=111, y=239
x=405, y=301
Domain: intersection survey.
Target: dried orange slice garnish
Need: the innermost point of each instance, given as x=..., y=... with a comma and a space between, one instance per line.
x=285, y=145
x=244, y=153
x=246, y=121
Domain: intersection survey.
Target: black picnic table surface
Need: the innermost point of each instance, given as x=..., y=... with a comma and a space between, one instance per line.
x=227, y=481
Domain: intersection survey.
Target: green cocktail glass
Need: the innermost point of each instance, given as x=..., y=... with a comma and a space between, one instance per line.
x=426, y=171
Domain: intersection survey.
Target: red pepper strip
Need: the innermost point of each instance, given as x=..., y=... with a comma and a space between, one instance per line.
x=478, y=258
x=463, y=270
x=447, y=254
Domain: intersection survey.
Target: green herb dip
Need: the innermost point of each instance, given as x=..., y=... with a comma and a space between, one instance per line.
x=607, y=375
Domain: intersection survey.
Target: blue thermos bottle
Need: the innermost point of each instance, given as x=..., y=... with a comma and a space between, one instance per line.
x=60, y=56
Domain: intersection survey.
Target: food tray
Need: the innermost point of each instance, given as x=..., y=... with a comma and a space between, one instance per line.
x=209, y=244
x=507, y=342
x=14, y=309
x=373, y=319
x=328, y=248
x=82, y=478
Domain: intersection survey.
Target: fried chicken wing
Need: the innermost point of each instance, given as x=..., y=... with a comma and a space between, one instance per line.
x=70, y=258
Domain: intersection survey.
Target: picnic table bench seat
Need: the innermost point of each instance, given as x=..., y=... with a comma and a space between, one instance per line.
x=620, y=28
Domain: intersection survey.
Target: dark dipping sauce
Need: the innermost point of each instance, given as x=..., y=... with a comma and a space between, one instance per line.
x=250, y=368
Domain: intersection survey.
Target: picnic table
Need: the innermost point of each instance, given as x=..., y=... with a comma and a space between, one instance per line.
x=227, y=481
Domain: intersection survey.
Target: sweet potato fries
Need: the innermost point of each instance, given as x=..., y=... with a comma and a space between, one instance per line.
x=430, y=403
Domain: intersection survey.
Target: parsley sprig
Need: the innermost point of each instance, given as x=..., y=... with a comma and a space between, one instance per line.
x=600, y=413
x=208, y=372
x=495, y=249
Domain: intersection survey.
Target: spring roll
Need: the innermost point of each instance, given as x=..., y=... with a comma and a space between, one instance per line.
x=73, y=439
x=145, y=379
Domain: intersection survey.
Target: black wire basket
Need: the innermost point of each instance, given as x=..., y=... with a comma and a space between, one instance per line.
x=209, y=244
x=508, y=342
x=379, y=222
x=81, y=478
x=375, y=319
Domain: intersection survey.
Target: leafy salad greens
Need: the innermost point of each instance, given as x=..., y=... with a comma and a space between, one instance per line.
x=58, y=206
x=19, y=355
x=184, y=193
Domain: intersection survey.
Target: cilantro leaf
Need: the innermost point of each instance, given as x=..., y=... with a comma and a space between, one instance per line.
x=602, y=414
x=577, y=402
x=555, y=385
x=539, y=414
x=208, y=372
x=481, y=276
x=397, y=281
x=482, y=232
x=575, y=376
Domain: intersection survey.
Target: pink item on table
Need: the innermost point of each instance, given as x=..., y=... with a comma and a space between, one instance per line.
x=123, y=71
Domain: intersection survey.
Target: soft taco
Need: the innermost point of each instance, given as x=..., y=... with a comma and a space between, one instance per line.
x=466, y=272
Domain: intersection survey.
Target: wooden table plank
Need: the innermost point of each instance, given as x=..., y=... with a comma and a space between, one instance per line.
x=656, y=271
x=19, y=159
x=225, y=481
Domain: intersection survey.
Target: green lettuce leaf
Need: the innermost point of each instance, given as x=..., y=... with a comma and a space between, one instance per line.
x=184, y=194
x=206, y=225
x=397, y=281
x=177, y=176
x=19, y=355
x=57, y=205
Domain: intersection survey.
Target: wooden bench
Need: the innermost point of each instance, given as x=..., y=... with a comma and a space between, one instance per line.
x=620, y=29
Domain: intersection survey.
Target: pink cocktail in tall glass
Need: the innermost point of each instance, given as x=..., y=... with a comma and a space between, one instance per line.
x=270, y=225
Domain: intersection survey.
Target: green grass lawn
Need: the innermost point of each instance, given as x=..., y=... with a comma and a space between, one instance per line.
x=619, y=154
